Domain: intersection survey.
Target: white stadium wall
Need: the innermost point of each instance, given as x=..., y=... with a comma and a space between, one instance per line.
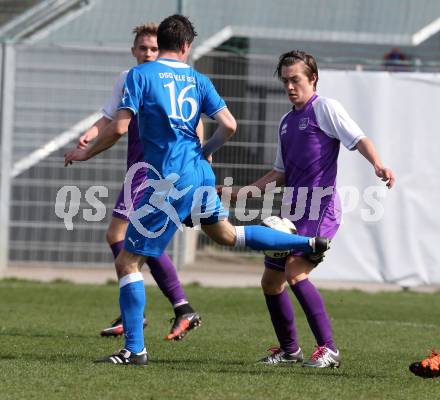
x=400, y=113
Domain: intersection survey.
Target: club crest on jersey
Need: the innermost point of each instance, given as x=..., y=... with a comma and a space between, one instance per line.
x=303, y=123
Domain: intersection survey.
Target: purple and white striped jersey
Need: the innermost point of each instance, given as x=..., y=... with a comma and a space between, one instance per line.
x=135, y=150
x=308, y=148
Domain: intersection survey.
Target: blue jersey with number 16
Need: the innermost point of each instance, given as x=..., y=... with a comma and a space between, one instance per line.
x=168, y=97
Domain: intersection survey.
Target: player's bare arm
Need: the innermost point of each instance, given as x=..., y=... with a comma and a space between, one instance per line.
x=109, y=136
x=200, y=132
x=366, y=147
x=93, y=132
x=225, y=130
x=273, y=176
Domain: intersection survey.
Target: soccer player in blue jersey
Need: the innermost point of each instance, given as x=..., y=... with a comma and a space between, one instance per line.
x=168, y=97
x=162, y=269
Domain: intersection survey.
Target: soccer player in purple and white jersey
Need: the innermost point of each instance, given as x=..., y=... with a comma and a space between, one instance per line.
x=309, y=138
x=144, y=49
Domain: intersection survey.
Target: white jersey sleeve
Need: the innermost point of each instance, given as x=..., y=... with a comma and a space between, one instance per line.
x=279, y=163
x=336, y=123
x=111, y=105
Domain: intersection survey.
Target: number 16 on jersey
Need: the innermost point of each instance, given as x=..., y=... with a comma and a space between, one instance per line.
x=177, y=102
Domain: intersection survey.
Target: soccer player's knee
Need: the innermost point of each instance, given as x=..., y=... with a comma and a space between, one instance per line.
x=123, y=268
x=224, y=240
x=110, y=237
x=113, y=235
x=270, y=286
x=223, y=234
x=293, y=277
x=228, y=239
x=228, y=234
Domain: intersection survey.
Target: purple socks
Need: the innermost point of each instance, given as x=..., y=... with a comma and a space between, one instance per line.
x=163, y=272
x=116, y=248
x=313, y=306
x=281, y=312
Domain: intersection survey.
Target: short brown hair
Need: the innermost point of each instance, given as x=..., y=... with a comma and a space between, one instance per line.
x=295, y=56
x=144, y=30
x=174, y=32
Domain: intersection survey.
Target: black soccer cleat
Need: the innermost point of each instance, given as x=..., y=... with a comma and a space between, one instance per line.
x=125, y=357
x=116, y=328
x=182, y=325
x=319, y=244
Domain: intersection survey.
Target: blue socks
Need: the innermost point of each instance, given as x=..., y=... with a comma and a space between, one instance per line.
x=263, y=238
x=132, y=303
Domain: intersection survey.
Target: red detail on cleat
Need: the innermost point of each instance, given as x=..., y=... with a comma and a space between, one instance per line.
x=182, y=325
x=181, y=328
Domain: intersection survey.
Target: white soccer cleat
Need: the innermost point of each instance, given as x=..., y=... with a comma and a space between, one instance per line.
x=279, y=356
x=281, y=224
x=323, y=357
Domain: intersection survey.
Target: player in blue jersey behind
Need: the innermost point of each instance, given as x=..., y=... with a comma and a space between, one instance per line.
x=168, y=97
x=162, y=269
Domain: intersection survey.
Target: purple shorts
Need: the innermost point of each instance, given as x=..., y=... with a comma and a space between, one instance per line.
x=326, y=225
x=122, y=210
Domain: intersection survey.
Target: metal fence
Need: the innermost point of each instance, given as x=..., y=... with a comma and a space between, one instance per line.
x=50, y=95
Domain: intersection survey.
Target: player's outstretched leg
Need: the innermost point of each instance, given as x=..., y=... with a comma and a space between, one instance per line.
x=428, y=367
x=263, y=238
x=259, y=237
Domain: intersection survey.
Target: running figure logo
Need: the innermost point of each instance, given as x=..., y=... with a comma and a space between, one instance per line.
x=164, y=190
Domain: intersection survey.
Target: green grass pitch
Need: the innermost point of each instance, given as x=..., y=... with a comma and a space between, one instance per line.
x=49, y=336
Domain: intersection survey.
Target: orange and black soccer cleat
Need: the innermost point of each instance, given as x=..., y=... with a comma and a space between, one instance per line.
x=427, y=368
x=116, y=329
x=182, y=325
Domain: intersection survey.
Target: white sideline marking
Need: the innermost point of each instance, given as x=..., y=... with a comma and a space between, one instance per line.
x=65, y=137
x=392, y=322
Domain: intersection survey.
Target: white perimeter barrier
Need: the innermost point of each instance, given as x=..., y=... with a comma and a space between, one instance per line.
x=400, y=112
